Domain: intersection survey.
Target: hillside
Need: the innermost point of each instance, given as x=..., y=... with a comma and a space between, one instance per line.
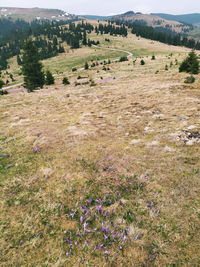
x=186, y=18
x=95, y=17
x=35, y=13
x=153, y=20
x=103, y=171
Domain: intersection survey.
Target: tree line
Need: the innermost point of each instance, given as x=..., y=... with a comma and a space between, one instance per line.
x=111, y=29
x=48, y=37
x=159, y=34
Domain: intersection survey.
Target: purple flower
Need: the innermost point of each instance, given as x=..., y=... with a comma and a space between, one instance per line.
x=107, y=252
x=89, y=201
x=72, y=214
x=84, y=208
x=81, y=219
x=104, y=229
x=146, y=176
x=150, y=205
x=85, y=225
x=36, y=149
x=136, y=236
x=99, y=208
x=106, y=214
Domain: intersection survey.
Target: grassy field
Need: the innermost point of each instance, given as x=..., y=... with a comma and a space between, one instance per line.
x=104, y=175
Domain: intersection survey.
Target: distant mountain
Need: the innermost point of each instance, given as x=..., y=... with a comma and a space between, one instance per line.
x=154, y=21
x=193, y=19
x=35, y=13
x=95, y=17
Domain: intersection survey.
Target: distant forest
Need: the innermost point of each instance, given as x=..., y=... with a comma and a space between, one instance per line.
x=48, y=37
x=161, y=34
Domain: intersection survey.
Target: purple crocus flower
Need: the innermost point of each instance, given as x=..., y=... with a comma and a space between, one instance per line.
x=104, y=229
x=136, y=236
x=106, y=214
x=107, y=252
x=89, y=201
x=150, y=205
x=99, y=208
x=85, y=225
x=36, y=149
x=84, y=210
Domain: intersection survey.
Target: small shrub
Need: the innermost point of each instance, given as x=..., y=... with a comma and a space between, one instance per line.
x=166, y=67
x=190, y=64
x=189, y=79
x=1, y=84
x=3, y=92
x=122, y=59
x=92, y=83
x=76, y=83
x=74, y=69
x=49, y=79
x=153, y=57
x=142, y=62
x=65, y=81
x=86, y=67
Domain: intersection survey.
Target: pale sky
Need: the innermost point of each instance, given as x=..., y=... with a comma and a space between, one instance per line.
x=110, y=7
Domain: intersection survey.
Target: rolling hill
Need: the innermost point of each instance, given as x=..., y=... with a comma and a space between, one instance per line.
x=103, y=171
x=29, y=14
x=153, y=20
x=95, y=17
x=193, y=19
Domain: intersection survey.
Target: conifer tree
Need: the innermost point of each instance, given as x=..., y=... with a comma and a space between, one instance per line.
x=84, y=38
x=32, y=68
x=86, y=67
x=190, y=64
x=19, y=61
x=65, y=81
x=49, y=78
x=1, y=84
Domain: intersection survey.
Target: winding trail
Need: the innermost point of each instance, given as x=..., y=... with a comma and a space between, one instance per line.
x=56, y=75
x=114, y=49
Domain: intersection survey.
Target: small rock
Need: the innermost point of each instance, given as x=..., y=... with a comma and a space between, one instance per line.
x=135, y=141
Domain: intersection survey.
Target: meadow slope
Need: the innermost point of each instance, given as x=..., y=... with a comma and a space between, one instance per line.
x=103, y=175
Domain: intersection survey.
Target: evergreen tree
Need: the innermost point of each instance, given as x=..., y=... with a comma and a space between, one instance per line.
x=49, y=78
x=86, y=67
x=1, y=84
x=32, y=68
x=19, y=61
x=84, y=38
x=65, y=81
x=190, y=64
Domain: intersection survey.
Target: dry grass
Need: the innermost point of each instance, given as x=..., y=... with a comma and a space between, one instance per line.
x=118, y=142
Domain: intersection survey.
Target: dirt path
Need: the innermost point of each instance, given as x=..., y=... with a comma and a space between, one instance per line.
x=114, y=49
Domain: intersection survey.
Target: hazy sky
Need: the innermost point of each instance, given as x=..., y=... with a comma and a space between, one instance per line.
x=108, y=7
